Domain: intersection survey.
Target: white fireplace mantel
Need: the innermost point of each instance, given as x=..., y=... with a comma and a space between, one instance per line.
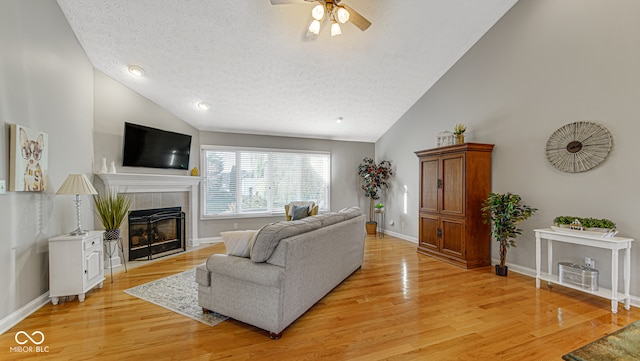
x=140, y=183
x=143, y=183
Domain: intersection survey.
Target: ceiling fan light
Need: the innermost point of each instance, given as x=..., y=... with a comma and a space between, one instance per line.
x=343, y=15
x=315, y=27
x=335, y=29
x=318, y=12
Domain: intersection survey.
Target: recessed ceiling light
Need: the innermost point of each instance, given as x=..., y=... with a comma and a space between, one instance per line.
x=204, y=106
x=339, y=120
x=136, y=70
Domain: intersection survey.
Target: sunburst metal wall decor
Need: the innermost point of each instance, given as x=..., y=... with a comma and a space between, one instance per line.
x=578, y=147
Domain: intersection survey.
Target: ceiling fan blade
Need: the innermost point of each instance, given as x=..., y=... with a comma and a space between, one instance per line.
x=357, y=19
x=280, y=2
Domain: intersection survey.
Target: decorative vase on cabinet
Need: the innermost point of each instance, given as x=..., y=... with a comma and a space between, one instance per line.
x=454, y=180
x=76, y=265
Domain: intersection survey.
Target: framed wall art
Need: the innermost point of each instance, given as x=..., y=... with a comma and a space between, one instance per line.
x=29, y=159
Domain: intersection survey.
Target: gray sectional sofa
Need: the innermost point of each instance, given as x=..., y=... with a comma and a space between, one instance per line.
x=292, y=265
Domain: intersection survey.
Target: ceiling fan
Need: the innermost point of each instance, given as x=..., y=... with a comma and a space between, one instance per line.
x=332, y=10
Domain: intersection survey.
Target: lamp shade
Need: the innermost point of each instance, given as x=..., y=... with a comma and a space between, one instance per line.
x=335, y=29
x=318, y=12
x=76, y=184
x=314, y=27
x=343, y=15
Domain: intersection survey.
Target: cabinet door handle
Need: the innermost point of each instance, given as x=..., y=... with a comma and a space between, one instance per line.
x=85, y=272
x=439, y=232
x=439, y=183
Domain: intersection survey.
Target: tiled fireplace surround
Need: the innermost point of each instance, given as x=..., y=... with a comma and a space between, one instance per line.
x=156, y=191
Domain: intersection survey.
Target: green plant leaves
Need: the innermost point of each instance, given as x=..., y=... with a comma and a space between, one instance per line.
x=503, y=212
x=586, y=222
x=112, y=208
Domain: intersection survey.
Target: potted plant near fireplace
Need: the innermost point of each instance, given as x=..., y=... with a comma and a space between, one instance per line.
x=112, y=208
x=374, y=177
x=503, y=212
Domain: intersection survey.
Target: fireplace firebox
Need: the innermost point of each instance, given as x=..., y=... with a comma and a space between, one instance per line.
x=155, y=233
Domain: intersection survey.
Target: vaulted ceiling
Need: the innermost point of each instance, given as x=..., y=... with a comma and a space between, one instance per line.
x=251, y=61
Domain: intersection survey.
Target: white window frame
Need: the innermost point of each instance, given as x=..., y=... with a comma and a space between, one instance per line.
x=269, y=212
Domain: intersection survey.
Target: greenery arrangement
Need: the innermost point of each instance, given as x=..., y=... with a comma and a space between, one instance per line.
x=374, y=177
x=503, y=212
x=459, y=129
x=586, y=222
x=112, y=208
x=379, y=205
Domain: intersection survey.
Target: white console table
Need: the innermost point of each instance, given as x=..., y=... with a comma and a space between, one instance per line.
x=615, y=244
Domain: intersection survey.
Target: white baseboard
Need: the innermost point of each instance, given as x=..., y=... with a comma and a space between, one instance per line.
x=635, y=301
x=211, y=240
x=23, y=312
x=401, y=236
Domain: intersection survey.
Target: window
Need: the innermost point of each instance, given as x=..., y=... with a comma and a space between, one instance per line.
x=259, y=182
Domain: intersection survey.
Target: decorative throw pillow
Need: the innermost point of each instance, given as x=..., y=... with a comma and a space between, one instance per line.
x=238, y=242
x=299, y=212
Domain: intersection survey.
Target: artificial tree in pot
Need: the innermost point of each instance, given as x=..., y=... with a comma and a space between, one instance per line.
x=374, y=177
x=112, y=208
x=503, y=212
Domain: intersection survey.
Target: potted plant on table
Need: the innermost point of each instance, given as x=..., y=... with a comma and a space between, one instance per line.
x=112, y=208
x=503, y=212
x=458, y=131
x=603, y=224
x=374, y=177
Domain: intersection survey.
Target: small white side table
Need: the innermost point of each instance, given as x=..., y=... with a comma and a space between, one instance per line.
x=75, y=265
x=614, y=244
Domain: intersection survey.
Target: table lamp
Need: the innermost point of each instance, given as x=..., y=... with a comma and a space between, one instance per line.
x=77, y=184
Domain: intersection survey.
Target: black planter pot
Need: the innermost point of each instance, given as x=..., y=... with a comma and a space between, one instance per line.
x=502, y=271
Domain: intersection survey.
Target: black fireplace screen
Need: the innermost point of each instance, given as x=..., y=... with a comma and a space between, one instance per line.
x=156, y=232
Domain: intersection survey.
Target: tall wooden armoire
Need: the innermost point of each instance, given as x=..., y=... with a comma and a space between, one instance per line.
x=454, y=181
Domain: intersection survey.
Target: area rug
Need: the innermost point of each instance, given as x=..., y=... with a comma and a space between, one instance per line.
x=623, y=344
x=178, y=293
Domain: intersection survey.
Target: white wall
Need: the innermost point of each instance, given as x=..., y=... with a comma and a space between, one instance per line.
x=546, y=63
x=45, y=84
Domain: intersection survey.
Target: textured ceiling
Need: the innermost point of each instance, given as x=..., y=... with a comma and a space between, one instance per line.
x=250, y=60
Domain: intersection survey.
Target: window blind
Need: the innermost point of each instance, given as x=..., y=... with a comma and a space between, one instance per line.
x=260, y=182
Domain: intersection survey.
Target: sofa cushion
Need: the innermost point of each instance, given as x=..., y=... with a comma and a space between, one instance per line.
x=238, y=242
x=350, y=212
x=299, y=212
x=270, y=235
x=328, y=219
x=243, y=269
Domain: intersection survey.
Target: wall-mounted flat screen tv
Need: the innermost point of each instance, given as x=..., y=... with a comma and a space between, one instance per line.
x=155, y=148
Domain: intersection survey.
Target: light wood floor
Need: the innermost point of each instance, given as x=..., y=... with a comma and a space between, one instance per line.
x=399, y=306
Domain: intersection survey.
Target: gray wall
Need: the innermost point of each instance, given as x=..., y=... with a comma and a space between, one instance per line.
x=345, y=187
x=45, y=84
x=116, y=104
x=546, y=63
